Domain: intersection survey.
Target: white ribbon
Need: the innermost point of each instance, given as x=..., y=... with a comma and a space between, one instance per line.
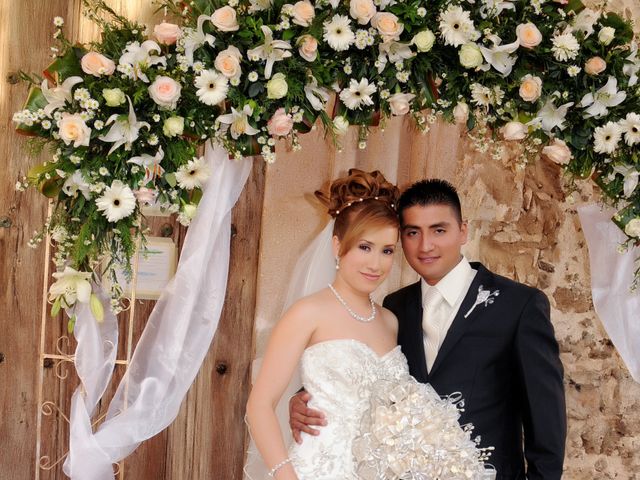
x=173, y=345
x=611, y=276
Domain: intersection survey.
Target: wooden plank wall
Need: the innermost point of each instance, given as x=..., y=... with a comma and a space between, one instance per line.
x=207, y=439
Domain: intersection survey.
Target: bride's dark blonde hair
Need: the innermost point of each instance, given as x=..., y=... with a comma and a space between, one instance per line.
x=359, y=202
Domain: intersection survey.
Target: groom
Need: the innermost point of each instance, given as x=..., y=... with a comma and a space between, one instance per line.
x=465, y=329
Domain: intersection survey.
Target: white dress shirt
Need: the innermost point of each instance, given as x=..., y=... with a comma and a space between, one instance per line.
x=437, y=318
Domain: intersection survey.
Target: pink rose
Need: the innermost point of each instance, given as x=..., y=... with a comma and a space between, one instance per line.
x=461, y=112
x=225, y=20
x=72, y=128
x=303, y=13
x=530, y=88
x=388, y=25
x=167, y=33
x=96, y=64
x=228, y=62
x=400, y=103
x=558, y=152
x=595, y=66
x=308, y=47
x=165, y=91
x=280, y=124
x=146, y=196
x=529, y=35
x=514, y=131
x=362, y=10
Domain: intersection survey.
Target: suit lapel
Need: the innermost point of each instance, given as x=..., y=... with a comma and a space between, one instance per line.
x=414, y=337
x=460, y=324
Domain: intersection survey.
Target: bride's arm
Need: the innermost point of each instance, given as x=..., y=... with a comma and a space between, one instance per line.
x=288, y=340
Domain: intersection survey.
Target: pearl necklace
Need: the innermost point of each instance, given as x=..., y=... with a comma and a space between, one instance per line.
x=351, y=312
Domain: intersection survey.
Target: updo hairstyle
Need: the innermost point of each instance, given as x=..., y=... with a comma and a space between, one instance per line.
x=359, y=202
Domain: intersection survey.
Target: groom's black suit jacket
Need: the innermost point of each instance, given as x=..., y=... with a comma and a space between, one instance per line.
x=504, y=360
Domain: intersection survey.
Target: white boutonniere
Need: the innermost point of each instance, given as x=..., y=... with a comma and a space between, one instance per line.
x=484, y=296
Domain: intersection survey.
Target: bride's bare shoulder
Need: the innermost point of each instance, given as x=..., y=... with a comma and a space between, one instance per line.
x=310, y=306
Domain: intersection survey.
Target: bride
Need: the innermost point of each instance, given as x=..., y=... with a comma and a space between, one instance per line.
x=344, y=341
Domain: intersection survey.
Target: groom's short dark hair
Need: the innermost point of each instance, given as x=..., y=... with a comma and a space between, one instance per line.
x=430, y=192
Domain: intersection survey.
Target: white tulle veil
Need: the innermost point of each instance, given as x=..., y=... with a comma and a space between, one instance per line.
x=313, y=271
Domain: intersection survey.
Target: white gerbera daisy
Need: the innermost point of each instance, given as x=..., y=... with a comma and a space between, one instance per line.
x=193, y=174
x=565, y=47
x=480, y=95
x=338, y=33
x=631, y=128
x=212, y=87
x=457, y=27
x=358, y=94
x=117, y=201
x=606, y=137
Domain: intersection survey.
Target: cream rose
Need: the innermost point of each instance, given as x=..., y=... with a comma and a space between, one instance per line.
x=224, y=19
x=303, y=13
x=633, y=228
x=280, y=124
x=595, y=66
x=308, y=47
x=557, y=151
x=277, y=87
x=530, y=88
x=71, y=128
x=228, y=62
x=424, y=40
x=606, y=35
x=167, y=33
x=340, y=125
x=387, y=25
x=461, y=112
x=165, y=91
x=96, y=64
x=400, y=103
x=514, y=131
x=470, y=56
x=113, y=96
x=529, y=35
x=173, y=126
x=362, y=10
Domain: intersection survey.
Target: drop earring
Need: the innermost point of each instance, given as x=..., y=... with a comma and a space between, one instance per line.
x=337, y=263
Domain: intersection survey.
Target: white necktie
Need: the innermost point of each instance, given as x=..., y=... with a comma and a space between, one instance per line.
x=432, y=324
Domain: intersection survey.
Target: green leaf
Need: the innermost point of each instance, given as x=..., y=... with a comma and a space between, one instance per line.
x=68, y=65
x=49, y=188
x=256, y=89
x=71, y=324
x=171, y=179
x=55, y=308
x=196, y=195
x=37, y=171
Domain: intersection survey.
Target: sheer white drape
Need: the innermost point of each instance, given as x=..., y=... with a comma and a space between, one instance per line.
x=611, y=274
x=173, y=345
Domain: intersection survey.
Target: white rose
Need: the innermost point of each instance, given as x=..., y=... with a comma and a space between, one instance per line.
x=529, y=35
x=400, y=103
x=557, y=151
x=277, y=87
x=461, y=112
x=530, y=88
x=424, y=40
x=340, y=125
x=303, y=13
x=225, y=19
x=514, y=131
x=228, y=62
x=113, y=96
x=73, y=129
x=308, y=47
x=362, y=10
x=388, y=25
x=470, y=56
x=606, y=35
x=165, y=91
x=173, y=126
x=633, y=228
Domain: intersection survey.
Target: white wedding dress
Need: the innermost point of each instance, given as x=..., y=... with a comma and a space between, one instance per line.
x=339, y=375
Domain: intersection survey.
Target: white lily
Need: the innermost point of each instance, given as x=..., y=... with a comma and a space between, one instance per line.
x=499, y=56
x=607, y=96
x=123, y=131
x=72, y=285
x=394, y=52
x=631, y=177
x=317, y=96
x=631, y=68
x=194, y=39
x=238, y=122
x=57, y=96
x=76, y=183
x=550, y=117
x=271, y=50
x=494, y=8
x=259, y=5
x=151, y=164
x=138, y=57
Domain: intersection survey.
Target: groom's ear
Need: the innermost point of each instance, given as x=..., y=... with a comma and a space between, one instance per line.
x=464, y=232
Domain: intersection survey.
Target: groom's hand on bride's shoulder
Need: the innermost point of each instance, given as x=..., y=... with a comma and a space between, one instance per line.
x=302, y=417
